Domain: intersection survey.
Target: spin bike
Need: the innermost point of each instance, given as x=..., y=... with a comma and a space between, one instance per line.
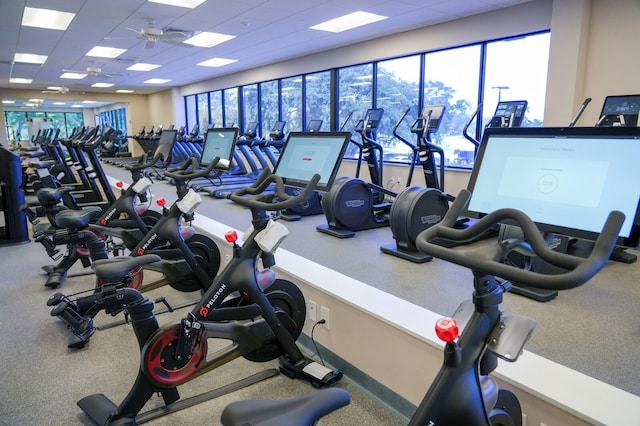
x=355, y=205
x=188, y=261
x=463, y=393
x=260, y=315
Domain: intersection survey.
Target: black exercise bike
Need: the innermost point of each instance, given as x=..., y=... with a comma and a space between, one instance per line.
x=260, y=315
x=463, y=392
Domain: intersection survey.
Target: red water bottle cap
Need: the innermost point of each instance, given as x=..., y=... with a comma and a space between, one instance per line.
x=231, y=236
x=447, y=329
x=119, y=184
x=161, y=202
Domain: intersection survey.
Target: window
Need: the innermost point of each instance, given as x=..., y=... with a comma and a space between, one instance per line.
x=16, y=122
x=202, y=102
x=250, y=104
x=516, y=69
x=215, y=108
x=269, y=105
x=452, y=78
x=291, y=95
x=230, y=97
x=318, y=98
x=398, y=86
x=355, y=97
x=190, y=111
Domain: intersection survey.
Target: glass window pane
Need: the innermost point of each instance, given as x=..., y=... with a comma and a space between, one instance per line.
x=397, y=90
x=451, y=78
x=270, y=110
x=215, y=108
x=318, y=98
x=190, y=105
x=57, y=122
x=291, y=93
x=202, y=101
x=516, y=70
x=231, y=107
x=355, y=96
x=250, y=104
x=16, y=122
x=74, y=120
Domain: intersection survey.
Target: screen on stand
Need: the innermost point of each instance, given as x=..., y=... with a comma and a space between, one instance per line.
x=165, y=144
x=219, y=142
x=566, y=179
x=620, y=110
x=307, y=153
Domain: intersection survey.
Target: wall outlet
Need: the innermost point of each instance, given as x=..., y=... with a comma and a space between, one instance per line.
x=324, y=315
x=312, y=310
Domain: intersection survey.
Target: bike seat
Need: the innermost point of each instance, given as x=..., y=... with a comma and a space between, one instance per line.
x=118, y=267
x=303, y=410
x=51, y=196
x=74, y=219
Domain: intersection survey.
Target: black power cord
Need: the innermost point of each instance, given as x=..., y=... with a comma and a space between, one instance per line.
x=315, y=345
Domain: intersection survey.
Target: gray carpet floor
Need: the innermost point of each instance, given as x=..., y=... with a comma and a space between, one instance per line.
x=43, y=379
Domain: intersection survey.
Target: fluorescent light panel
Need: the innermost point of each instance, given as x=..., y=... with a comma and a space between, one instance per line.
x=102, y=85
x=348, y=22
x=143, y=67
x=29, y=58
x=124, y=91
x=88, y=102
x=7, y=101
x=157, y=81
x=76, y=106
x=20, y=80
x=46, y=18
x=73, y=75
x=207, y=39
x=191, y=4
x=105, y=52
x=217, y=62
x=59, y=103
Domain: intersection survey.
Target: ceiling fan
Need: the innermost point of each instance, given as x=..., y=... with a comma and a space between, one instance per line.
x=152, y=34
x=94, y=71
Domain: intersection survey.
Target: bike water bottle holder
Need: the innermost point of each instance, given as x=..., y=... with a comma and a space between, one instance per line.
x=142, y=185
x=507, y=339
x=189, y=202
x=270, y=238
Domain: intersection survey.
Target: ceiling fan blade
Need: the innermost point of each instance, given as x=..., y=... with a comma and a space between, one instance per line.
x=149, y=44
x=172, y=34
x=135, y=31
x=176, y=43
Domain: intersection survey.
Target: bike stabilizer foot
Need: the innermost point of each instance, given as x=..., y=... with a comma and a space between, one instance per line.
x=316, y=374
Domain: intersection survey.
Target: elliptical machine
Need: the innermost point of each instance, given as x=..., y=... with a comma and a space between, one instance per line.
x=352, y=204
x=416, y=208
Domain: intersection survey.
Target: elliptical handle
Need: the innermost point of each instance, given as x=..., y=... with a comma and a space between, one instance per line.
x=487, y=258
x=285, y=201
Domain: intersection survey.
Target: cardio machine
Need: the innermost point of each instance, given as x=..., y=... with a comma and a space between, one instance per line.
x=261, y=323
x=352, y=204
x=416, y=208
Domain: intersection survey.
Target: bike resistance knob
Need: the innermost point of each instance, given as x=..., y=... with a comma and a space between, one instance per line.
x=447, y=329
x=231, y=236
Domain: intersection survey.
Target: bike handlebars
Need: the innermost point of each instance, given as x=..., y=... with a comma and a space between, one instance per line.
x=189, y=169
x=488, y=258
x=285, y=200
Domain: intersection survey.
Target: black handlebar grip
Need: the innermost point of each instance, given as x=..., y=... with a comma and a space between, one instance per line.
x=285, y=200
x=487, y=259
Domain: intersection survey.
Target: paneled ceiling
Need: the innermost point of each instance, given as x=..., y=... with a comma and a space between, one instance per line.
x=266, y=31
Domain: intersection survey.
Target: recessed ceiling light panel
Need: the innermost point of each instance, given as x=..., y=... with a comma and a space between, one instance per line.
x=124, y=91
x=106, y=52
x=102, y=85
x=29, y=58
x=157, y=81
x=73, y=75
x=143, y=67
x=20, y=80
x=348, y=22
x=191, y=4
x=207, y=39
x=46, y=18
x=217, y=62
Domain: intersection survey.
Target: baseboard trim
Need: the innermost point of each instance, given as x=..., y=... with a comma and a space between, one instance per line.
x=375, y=390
